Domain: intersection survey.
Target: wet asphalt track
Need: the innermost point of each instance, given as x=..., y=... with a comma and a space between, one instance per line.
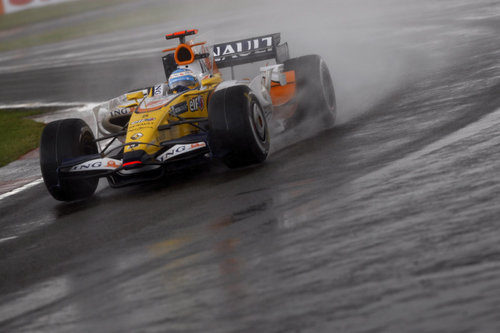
x=386, y=223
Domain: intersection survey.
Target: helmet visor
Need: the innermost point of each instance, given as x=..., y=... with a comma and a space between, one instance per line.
x=183, y=83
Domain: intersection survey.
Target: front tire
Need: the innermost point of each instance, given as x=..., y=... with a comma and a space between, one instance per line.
x=61, y=140
x=315, y=91
x=239, y=134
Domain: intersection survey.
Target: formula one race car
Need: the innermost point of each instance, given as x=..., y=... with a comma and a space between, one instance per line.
x=193, y=117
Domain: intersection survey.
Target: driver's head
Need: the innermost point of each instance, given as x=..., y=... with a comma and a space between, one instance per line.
x=183, y=79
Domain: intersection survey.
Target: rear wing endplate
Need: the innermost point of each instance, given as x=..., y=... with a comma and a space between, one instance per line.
x=250, y=50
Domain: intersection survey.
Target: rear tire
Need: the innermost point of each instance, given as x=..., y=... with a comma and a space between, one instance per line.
x=61, y=140
x=239, y=134
x=315, y=92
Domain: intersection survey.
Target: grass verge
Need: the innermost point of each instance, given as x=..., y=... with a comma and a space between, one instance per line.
x=96, y=26
x=52, y=12
x=111, y=21
x=18, y=134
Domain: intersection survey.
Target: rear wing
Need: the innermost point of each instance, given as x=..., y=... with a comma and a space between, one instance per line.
x=226, y=54
x=250, y=50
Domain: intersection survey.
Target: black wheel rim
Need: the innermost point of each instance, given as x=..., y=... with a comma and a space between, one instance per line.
x=259, y=124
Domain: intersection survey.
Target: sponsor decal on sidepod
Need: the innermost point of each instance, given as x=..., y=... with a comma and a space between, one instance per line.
x=158, y=90
x=178, y=109
x=120, y=112
x=196, y=104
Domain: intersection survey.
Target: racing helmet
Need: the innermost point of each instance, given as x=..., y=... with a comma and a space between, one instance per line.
x=183, y=79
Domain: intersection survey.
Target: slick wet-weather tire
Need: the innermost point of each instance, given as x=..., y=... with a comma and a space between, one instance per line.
x=61, y=140
x=239, y=134
x=315, y=92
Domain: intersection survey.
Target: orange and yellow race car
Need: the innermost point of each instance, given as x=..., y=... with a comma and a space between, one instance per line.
x=193, y=117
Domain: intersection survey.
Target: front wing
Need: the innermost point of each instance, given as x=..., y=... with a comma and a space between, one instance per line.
x=175, y=157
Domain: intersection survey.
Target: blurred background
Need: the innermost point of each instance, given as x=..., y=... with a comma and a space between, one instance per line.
x=90, y=51
x=386, y=223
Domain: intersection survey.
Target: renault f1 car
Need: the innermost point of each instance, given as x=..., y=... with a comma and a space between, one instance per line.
x=145, y=134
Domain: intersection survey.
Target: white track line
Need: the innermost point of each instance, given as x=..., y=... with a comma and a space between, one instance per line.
x=487, y=121
x=20, y=189
x=7, y=238
x=41, y=105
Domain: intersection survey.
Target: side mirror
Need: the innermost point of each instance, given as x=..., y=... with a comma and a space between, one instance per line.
x=135, y=96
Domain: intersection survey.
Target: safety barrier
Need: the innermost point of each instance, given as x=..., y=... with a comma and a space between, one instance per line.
x=11, y=6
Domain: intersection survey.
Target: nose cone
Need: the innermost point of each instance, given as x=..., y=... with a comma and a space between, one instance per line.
x=143, y=124
x=134, y=159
